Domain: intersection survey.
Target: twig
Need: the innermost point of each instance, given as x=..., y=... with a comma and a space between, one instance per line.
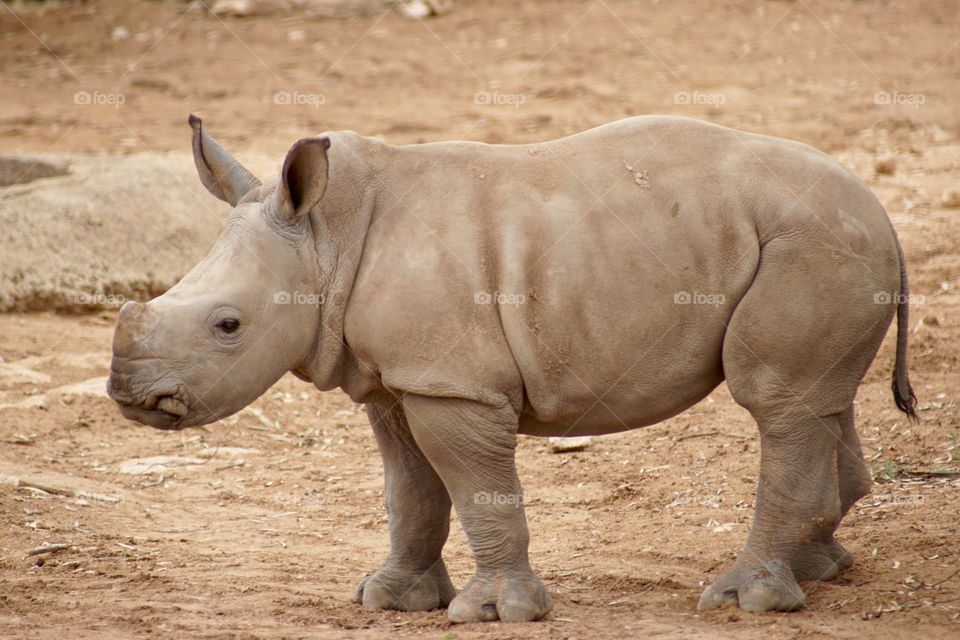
x=712, y=433
x=102, y=497
x=29, y=484
x=70, y=493
x=937, y=584
x=713, y=566
x=48, y=548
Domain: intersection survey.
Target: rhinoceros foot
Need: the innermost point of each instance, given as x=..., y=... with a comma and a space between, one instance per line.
x=764, y=586
x=404, y=590
x=820, y=560
x=519, y=597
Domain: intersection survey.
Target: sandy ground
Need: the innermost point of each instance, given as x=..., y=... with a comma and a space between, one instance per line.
x=261, y=525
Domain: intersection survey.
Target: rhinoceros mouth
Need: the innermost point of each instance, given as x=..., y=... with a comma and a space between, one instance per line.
x=159, y=410
x=150, y=417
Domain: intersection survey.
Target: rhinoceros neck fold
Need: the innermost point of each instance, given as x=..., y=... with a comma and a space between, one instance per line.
x=340, y=224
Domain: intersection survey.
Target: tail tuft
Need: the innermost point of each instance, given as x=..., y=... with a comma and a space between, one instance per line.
x=905, y=399
x=903, y=394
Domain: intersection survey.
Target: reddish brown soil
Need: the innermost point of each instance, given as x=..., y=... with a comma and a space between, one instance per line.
x=269, y=541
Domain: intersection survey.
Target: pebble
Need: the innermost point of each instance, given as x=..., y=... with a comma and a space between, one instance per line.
x=885, y=165
x=951, y=198
x=95, y=387
x=566, y=445
x=12, y=374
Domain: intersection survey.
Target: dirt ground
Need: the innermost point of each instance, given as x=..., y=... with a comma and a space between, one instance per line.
x=261, y=525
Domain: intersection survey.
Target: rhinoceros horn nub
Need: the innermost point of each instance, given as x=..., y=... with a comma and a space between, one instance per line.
x=135, y=321
x=219, y=172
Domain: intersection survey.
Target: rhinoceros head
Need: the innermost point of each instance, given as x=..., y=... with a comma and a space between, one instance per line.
x=227, y=331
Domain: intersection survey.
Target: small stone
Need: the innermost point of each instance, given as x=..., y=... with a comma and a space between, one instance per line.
x=885, y=165
x=30, y=402
x=419, y=9
x=296, y=36
x=120, y=33
x=158, y=464
x=95, y=387
x=234, y=8
x=567, y=445
x=12, y=374
x=951, y=198
x=416, y=9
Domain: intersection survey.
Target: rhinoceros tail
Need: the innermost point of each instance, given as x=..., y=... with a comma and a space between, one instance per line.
x=903, y=394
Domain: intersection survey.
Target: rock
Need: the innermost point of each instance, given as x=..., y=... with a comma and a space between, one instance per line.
x=296, y=36
x=13, y=374
x=94, y=387
x=418, y=9
x=157, y=464
x=885, y=165
x=120, y=33
x=99, y=360
x=227, y=452
x=950, y=198
x=238, y=8
x=566, y=445
x=24, y=170
x=328, y=8
x=68, y=243
x=30, y=402
x=260, y=416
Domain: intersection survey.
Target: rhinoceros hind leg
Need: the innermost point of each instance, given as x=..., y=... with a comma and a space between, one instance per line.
x=798, y=502
x=796, y=347
x=824, y=558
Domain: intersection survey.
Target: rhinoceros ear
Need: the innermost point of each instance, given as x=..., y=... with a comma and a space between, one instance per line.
x=303, y=178
x=219, y=172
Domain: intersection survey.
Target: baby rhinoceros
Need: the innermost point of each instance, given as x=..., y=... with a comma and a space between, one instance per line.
x=467, y=293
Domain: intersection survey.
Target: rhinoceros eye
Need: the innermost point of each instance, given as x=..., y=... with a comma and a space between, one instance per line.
x=228, y=325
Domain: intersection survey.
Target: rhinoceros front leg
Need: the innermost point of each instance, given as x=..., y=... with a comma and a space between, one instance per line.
x=413, y=577
x=472, y=448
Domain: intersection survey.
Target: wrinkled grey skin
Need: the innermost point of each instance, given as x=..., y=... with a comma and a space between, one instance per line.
x=588, y=285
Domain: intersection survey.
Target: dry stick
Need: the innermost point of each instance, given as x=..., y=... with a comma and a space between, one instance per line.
x=935, y=473
x=712, y=433
x=48, y=548
x=70, y=493
x=937, y=584
x=45, y=488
